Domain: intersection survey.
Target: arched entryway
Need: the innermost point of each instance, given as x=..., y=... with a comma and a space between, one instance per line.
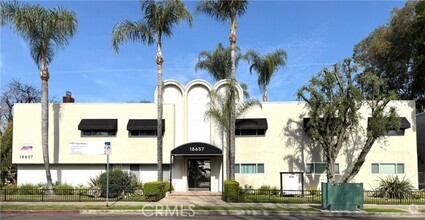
x=200, y=165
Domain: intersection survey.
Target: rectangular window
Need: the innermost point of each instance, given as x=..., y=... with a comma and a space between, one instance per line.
x=319, y=168
x=387, y=168
x=400, y=168
x=237, y=168
x=260, y=168
x=249, y=168
x=309, y=168
x=250, y=132
x=375, y=168
x=98, y=133
x=137, y=133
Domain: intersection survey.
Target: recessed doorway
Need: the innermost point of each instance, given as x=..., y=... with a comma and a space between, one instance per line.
x=199, y=174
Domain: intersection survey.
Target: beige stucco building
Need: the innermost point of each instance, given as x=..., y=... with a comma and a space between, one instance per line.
x=271, y=145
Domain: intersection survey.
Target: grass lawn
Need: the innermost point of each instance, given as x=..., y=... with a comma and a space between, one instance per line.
x=282, y=199
x=382, y=210
x=64, y=198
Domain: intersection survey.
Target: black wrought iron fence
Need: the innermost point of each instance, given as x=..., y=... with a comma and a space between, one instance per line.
x=281, y=196
x=411, y=197
x=246, y=195
x=63, y=195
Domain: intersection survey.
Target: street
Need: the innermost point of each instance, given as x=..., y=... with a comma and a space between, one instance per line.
x=200, y=217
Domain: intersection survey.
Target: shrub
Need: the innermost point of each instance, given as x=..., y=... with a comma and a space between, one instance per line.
x=167, y=186
x=81, y=190
x=394, y=188
x=64, y=189
x=275, y=191
x=29, y=189
x=154, y=191
x=120, y=182
x=12, y=189
x=95, y=182
x=231, y=190
x=264, y=190
x=313, y=191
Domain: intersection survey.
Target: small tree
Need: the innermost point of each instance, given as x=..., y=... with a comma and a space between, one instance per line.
x=8, y=170
x=334, y=98
x=219, y=109
x=119, y=182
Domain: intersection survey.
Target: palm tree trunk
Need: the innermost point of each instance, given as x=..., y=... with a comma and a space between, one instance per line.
x=232, y=39
x=159, y=62
x=265, y=93
x=44, y=73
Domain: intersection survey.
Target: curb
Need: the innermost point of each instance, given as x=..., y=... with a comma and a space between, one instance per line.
x=190, y=213
x=41, y=212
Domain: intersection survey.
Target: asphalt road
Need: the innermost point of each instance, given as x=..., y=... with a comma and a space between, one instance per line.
x=209, y=217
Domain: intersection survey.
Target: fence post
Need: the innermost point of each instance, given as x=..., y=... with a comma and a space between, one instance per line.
x=270, y=195
x=5, y=193
x=42, y=194
x=79, y=195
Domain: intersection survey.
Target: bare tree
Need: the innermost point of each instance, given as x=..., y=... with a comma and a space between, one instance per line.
x=17, y=92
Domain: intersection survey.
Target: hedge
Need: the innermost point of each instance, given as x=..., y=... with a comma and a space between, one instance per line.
x=154, y=191
x=231, y=191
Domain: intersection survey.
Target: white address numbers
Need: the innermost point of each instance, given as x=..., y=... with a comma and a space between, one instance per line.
x=196, y=149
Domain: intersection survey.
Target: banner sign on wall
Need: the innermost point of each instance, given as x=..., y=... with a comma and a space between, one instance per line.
x=89, y=148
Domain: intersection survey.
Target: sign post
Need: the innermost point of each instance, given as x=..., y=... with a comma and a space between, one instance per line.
x=107, y=152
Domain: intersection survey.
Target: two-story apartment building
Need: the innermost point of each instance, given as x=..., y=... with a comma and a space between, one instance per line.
x=271, y=143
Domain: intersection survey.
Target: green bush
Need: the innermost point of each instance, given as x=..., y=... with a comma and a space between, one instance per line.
x=12, y=189
x=264, y=189
x=81, y=190
x=231, y=190
x=29, y=189
x=64, y=189
x=120, y=182
x=275, y=191
x=154, y=191
x=167, y=186
x=394, y=188
x=313, y=191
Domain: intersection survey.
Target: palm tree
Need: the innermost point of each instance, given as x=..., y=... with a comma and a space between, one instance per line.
x=228, y=11
x=218, y=62
x=219, y=109
x=265, y=66
x=158, y=21
x=45, y=30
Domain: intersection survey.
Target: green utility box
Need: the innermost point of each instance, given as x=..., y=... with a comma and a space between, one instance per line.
x=342, y=196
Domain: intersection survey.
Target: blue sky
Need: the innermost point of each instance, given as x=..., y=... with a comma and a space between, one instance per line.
x=315, y=34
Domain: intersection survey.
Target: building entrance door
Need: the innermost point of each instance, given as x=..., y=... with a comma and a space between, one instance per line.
x=199, y=174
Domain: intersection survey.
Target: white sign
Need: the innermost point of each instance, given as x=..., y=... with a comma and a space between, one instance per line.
x=89, y=148
x=107, y=148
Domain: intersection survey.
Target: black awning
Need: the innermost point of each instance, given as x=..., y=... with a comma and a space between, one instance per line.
x=251, y=124
x=404, y=123
x=196, y=148
x=98, y=124
x=144, y=125
x=305, y=124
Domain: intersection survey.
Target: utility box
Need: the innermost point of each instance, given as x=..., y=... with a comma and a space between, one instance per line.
x=342, y=196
